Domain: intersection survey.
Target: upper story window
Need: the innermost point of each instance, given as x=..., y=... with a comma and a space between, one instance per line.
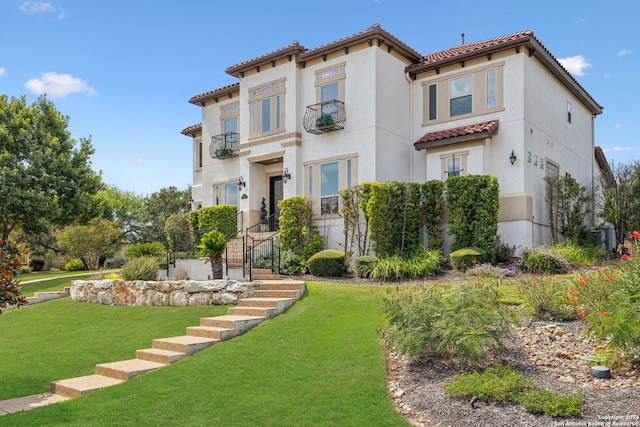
x=330, y=83
x=229, y=120
x=433, y=102
x=450, y=96
x=460, y=95
x=266, y=108
x=491, y=89
x=568, y=112
x=197, y=152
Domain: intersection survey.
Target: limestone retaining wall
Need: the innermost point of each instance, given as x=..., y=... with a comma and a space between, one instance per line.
x=165, y=293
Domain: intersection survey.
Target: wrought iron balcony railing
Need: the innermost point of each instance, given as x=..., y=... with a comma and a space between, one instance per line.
x=325, y=117
x=224, y=145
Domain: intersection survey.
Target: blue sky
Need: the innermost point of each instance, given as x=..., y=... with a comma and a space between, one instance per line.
x=123, y=70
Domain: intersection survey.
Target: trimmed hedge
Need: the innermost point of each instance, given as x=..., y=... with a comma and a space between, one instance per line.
x=327, y=263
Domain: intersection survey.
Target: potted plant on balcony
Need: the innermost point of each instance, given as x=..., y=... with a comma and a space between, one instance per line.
x=325, y=120
x=223, y=152
x=212, y=245
x=264, y=224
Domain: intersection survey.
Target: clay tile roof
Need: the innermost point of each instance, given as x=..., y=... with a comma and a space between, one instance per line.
x=466, y=51
x=293, y=49
x=375, y=32
x=192, y=130
x=455, y=135
x=215, y=93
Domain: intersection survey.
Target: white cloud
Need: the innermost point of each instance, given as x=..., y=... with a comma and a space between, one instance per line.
x=616, y=149
x=575, y=64
x=3, y=72
x=38, y=7
x=624, y=52
x=617, y=126
x=58, y=85
x=607, y=75
x=137, y=160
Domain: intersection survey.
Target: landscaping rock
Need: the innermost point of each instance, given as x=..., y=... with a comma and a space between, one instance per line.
x=166, y=293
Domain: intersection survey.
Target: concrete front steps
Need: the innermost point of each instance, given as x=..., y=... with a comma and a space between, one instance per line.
x=270, y=299
x=39, y=297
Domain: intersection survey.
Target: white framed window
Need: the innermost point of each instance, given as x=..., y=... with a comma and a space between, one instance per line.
x=454, y=164
x=460, y=95
x=266, y=108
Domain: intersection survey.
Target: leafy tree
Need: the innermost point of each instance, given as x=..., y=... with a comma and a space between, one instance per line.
x=157, y=207
x=123, y=208
x=212, y=245
x=44, y=178
x=568, y=204
x=618, y=202
x=12, y=257
x=89, y=242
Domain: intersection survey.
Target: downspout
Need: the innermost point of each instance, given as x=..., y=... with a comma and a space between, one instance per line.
x=411, y=149
x=593, y=190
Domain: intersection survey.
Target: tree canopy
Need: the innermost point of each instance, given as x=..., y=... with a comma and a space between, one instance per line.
x=45, y=175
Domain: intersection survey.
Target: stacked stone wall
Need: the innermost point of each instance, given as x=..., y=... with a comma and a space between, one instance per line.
x=180, y=293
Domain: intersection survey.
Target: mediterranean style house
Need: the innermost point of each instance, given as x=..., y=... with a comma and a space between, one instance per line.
x=368, y=107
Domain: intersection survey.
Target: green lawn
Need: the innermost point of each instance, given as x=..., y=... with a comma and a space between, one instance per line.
x=320, y=363
x=52, y=284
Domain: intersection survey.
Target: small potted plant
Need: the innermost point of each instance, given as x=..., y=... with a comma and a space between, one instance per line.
x=264, y=224
x=223, y=152
x=325, y=120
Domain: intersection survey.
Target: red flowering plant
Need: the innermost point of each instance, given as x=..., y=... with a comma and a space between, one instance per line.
x=609, y=307
x=631, y=246
x=12, y=258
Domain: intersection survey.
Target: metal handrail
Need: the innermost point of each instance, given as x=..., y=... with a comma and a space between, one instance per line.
x=324, y=117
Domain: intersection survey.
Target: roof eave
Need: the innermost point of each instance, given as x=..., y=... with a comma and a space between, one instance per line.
x=378, y=34
x=204, y=97
x=288, y=52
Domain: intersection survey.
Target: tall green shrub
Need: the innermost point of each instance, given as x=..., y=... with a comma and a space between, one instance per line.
x=473, y=203
x=431, y=210
x=298, y=232
x=222, y=218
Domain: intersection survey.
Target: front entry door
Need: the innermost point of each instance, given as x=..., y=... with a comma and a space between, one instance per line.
x=276, y=193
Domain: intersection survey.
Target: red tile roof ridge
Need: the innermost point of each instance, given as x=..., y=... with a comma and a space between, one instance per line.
x=375, y=29
x=294, y=47
x=212, y=93
x=190, y=130
x=488, y=126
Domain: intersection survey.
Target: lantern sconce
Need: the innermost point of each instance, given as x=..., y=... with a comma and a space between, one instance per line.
x=286, y=176
x=512, y=157
x=241, y=183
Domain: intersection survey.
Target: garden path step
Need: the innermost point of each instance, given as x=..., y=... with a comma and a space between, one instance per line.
x=168, y=350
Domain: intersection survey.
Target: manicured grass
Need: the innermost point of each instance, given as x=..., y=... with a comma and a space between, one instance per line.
x=318, y=364
x=49, y=275
x=62, y=339
x=52, y=284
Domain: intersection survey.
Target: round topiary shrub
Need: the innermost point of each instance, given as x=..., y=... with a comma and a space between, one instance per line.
x=327, y=263
x=75, y=264
x=466, y=257
x=364, y=265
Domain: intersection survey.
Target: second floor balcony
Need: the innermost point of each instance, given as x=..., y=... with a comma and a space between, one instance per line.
x=325, y=117
x=224, y=145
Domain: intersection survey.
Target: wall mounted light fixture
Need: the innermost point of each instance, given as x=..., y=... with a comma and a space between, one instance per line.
x=286, y=176
x=241, y=183
x=512, y=157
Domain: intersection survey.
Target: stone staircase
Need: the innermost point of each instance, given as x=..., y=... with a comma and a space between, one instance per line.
x=39, y=297
x=271, y=298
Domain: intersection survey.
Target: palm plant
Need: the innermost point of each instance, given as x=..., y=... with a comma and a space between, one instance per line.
x=212, y=245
